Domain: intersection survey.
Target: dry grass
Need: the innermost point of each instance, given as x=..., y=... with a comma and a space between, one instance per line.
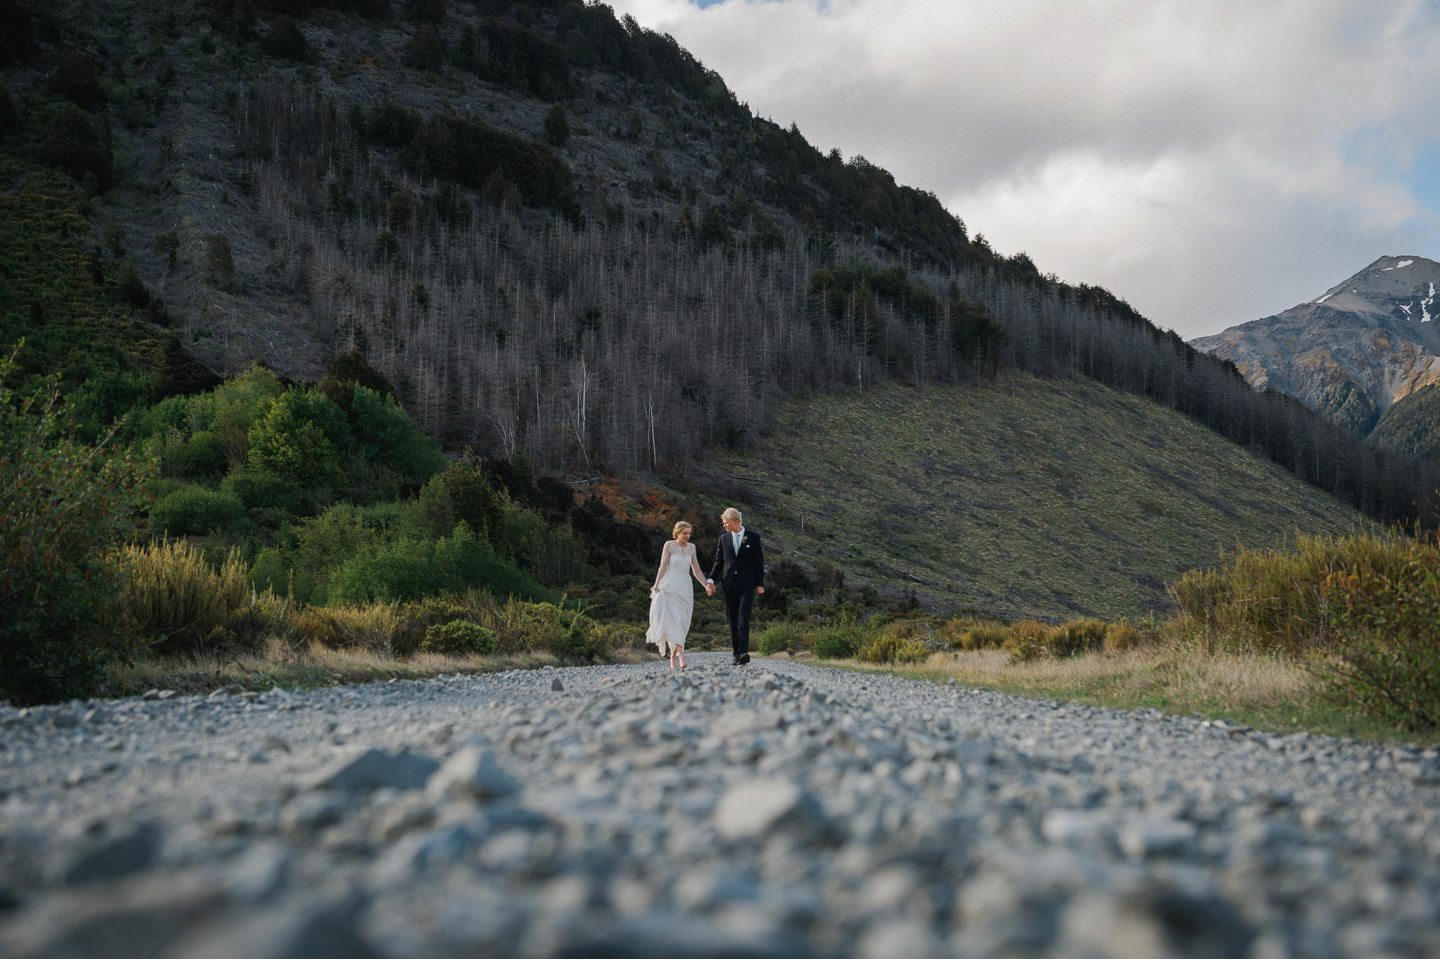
x=1203, y=678
x=317, y=665
x=1266, y=692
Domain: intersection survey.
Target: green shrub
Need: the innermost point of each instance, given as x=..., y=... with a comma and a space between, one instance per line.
x=1271, y=600
x=174, y=599
x=402, y=570
x=409, y=568
x=775, y=637
x=387, y=435
x=1386, y=659
x=198, y=456
x=256, y=488
x=300, y=438
x=196, y=510
x=460, y=493
x=460, y=637
x=64, y=506
x=542, y=628
x=833, y=644
x=272, y=571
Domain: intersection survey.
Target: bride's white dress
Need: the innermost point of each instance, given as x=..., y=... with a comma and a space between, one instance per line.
x=673, y=599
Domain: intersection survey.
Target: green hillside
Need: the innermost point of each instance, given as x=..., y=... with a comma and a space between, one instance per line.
x=1412, y=425
x=1023, y=498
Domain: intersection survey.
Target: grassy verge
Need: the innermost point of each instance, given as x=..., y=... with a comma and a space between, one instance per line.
x=1268, y=693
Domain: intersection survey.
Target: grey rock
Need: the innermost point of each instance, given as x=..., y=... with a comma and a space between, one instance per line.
x=755, y=808
x=115, y=856
x=303, y=929
x=557, y=685
x=377, y=768
x=137, y=918
x=312, y=811
x=1156, y=836
x=472, y=772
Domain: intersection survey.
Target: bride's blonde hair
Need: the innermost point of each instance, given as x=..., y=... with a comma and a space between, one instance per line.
x=680, y=527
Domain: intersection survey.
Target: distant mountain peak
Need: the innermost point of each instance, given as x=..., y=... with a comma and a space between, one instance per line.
x=1355, y=349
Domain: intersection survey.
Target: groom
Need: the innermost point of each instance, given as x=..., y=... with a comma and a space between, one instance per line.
x=740, y=569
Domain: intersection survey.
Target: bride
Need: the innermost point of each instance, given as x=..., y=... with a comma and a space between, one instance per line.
x=672, y=598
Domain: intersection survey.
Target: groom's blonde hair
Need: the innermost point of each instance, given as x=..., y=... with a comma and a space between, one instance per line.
x=731, y=515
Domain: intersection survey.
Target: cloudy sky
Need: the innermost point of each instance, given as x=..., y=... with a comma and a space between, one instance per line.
x=1211, y=161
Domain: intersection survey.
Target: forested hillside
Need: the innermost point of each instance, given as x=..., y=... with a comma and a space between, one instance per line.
x=554, y=232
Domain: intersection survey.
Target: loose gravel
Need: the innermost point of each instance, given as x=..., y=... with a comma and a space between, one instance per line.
x=778, y=809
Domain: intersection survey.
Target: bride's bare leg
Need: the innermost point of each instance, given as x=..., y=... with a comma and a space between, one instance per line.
x=678, y=649
x=671, y=648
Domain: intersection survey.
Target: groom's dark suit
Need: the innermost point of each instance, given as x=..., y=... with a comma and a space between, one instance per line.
x=737, y=574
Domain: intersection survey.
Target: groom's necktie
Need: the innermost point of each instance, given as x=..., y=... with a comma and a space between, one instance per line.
x=735, y=541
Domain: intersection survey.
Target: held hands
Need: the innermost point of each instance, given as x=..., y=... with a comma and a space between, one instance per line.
x=759, y=590
x=709, y=587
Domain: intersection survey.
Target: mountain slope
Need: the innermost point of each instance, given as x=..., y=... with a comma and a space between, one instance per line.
x=1353, y=352
x=1025, y=497
x=550, y=230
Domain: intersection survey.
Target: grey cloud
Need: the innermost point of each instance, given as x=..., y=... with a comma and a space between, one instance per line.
x=1209, y=147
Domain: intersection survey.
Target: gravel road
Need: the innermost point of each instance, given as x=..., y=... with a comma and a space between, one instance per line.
x=774, y=810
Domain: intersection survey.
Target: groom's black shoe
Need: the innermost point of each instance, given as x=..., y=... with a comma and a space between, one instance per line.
x=743, y=659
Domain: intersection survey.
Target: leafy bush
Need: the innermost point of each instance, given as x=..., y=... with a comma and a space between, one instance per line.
x=300, y=438
x=198, y=456
x=774, y=637
x=834, y=644
x=63, y=507
x=1386, y=658
x=174, y=599
x=403, y=570
x=542, y=628
x=460, y=493
x=1273, y=600
x=459, y=637
x=196, y=510
x=256, y=488
x=386, y=434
